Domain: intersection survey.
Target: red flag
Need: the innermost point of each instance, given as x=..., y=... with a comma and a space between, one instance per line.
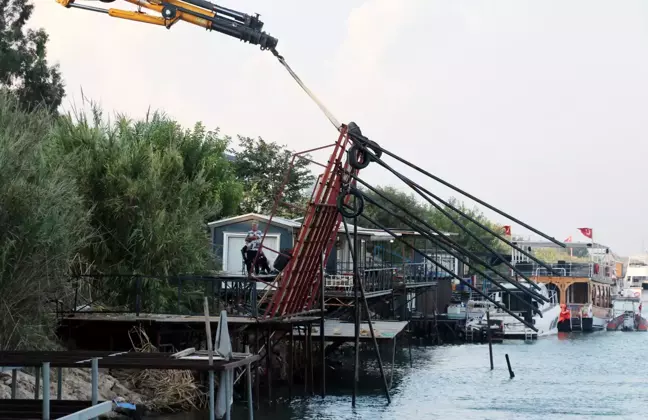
x=507, y=230
x=586, y=231
x=568, y=239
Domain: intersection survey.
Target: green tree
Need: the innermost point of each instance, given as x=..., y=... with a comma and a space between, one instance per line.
x=23, y=64
x=261, y=167
x=443, y=223
x=151, y=187
x=43, y=223
x=389, y=218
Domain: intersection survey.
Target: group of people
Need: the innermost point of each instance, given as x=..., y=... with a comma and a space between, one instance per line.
x=252, y=254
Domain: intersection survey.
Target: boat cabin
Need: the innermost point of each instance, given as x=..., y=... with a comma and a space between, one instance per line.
x=582, y=274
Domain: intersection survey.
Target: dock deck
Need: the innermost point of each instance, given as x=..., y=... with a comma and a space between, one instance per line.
x=335, y=330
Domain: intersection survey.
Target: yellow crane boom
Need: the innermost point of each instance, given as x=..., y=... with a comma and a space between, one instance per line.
x=202, y=13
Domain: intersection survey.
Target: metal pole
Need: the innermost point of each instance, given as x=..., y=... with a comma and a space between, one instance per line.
x=37, y=378
x=14, y=382
x=95, y=381
x=393, y=364
x=228, y=407
x=356, y=305
x=490, y=341
x=212, y=405
x=322, y=341
x=59, y=383
x=292, y=362
x=269, y=363
x=371, y=329
x=248, y=377
x=46, y=391
x=257, y=381
x=310, y=357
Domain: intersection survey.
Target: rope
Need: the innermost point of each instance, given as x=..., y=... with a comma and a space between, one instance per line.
x=321, y=106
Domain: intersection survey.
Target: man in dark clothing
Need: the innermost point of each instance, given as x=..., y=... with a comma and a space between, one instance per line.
x=253, y=241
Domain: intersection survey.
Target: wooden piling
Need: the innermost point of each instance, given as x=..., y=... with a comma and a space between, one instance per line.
x=322, y=341
x=490, y=339
x=508, y=363
x=356, y=305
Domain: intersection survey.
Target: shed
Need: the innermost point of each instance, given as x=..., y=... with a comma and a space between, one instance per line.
x=228, y=237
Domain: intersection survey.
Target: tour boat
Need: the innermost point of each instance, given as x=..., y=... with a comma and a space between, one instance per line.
x=627, y=314
x=585, y=285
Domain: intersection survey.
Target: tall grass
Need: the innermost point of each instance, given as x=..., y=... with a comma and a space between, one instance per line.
x=43, y=224
x=80, y=194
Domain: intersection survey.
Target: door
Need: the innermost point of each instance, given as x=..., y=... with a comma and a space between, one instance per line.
x=233, y=259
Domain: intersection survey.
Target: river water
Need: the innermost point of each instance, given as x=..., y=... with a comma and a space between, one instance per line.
x=568, y=376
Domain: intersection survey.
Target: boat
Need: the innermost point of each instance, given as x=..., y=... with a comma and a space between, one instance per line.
x=472, y=309
x=511, y=328
x=627, y=314
x=585, y=284
x=636, y=277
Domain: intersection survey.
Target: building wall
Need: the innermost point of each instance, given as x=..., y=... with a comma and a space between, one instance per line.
x=244, y=227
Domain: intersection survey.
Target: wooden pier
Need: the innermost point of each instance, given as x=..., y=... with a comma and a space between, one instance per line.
x=45, y=408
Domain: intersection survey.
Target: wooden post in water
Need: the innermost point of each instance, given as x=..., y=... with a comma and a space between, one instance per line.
x=508, y=363
x=356, y=305
x=490, y=339
x=322, y=341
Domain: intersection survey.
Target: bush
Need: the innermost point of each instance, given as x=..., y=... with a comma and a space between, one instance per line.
x=151, y=187
x=43, y=223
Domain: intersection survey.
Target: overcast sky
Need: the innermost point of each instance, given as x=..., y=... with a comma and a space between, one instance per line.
x=536, y=107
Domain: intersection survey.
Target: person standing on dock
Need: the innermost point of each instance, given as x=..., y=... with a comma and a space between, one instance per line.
x=253, y=241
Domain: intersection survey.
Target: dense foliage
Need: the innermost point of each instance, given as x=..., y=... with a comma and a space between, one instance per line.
x=43, y=225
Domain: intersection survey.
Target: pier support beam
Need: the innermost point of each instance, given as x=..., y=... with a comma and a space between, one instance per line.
x=322, y=341
x=248, y=378
x=490, y=338
x=46, y=391
x=59, y=383
x=14, y=383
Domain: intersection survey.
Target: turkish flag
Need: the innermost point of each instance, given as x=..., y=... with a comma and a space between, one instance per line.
x=507, y=230
x=586, y=231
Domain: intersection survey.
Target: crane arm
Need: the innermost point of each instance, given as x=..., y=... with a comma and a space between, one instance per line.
x=202, y=13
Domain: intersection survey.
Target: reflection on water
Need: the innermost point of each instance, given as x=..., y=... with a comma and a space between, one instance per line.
x=569, y=376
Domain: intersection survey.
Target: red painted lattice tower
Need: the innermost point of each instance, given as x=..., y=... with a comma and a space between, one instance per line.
x=300, y=281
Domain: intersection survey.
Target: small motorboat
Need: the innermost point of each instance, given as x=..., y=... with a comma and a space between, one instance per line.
x=626, y=313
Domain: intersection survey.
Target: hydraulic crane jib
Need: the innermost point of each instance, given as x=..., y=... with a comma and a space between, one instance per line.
x=201, y=13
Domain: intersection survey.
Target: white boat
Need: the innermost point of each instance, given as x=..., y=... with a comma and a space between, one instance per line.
x=512, y=328
x=473, y=309
x=636, y=276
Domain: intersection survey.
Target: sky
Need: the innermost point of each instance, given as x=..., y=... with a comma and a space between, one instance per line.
x=538, y=108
